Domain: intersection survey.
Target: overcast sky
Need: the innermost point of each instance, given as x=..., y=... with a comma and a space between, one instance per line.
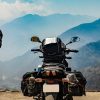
x=10, y=9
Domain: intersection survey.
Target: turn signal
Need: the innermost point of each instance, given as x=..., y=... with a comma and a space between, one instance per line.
x=54, y=73
x=47, y=73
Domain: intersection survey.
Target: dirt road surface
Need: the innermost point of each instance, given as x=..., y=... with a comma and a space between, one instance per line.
x=19, y=96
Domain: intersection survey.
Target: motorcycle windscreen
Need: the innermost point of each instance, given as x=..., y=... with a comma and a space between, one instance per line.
x=50, y=41
x=51, y=49
x=49, y=88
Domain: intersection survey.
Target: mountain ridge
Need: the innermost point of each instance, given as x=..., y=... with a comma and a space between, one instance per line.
x=18, y=32
x=84, y=26
x=90, y=53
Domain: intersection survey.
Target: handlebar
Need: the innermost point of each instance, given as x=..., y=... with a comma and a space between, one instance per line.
x=68, y=50
x=68, y=57
x=36, y=50
x=75, y=51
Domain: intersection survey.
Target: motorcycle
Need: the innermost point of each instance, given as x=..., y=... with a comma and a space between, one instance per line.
x=50, y=81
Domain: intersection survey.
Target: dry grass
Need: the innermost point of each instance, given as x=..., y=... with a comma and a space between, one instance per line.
x=19, y=96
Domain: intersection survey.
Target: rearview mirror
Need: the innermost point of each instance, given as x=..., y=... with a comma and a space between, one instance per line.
x=35, y=39
x=74, y=39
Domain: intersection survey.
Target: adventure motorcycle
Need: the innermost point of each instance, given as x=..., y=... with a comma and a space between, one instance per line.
x=50, y=80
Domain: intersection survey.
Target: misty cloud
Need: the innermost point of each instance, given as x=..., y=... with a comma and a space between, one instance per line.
x=12, y=10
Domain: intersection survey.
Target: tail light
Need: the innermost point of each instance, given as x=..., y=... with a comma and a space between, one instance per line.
x=50, y=73
x=54, y=73
x=50, y=81
x=47, y=73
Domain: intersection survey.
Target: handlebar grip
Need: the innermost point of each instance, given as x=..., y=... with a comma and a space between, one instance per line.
x=40, y=56
x=68, y=57
x=74, y=51
x=38, y=50
x=68, y=51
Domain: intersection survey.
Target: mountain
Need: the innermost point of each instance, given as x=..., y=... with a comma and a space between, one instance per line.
x=17, y=33
x=16, y=41
x=87, y=32
x=92, y=75
x=1, y=69
x=88, y=62
x=88, y=56
x=2, y=22
x=11, y=71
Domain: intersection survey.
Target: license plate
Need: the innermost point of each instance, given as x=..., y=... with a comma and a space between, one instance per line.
x=50, y=88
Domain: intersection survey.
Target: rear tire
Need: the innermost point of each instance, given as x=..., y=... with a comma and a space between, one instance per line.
x=51, y=96
x=39, y=97
x=68, y=97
